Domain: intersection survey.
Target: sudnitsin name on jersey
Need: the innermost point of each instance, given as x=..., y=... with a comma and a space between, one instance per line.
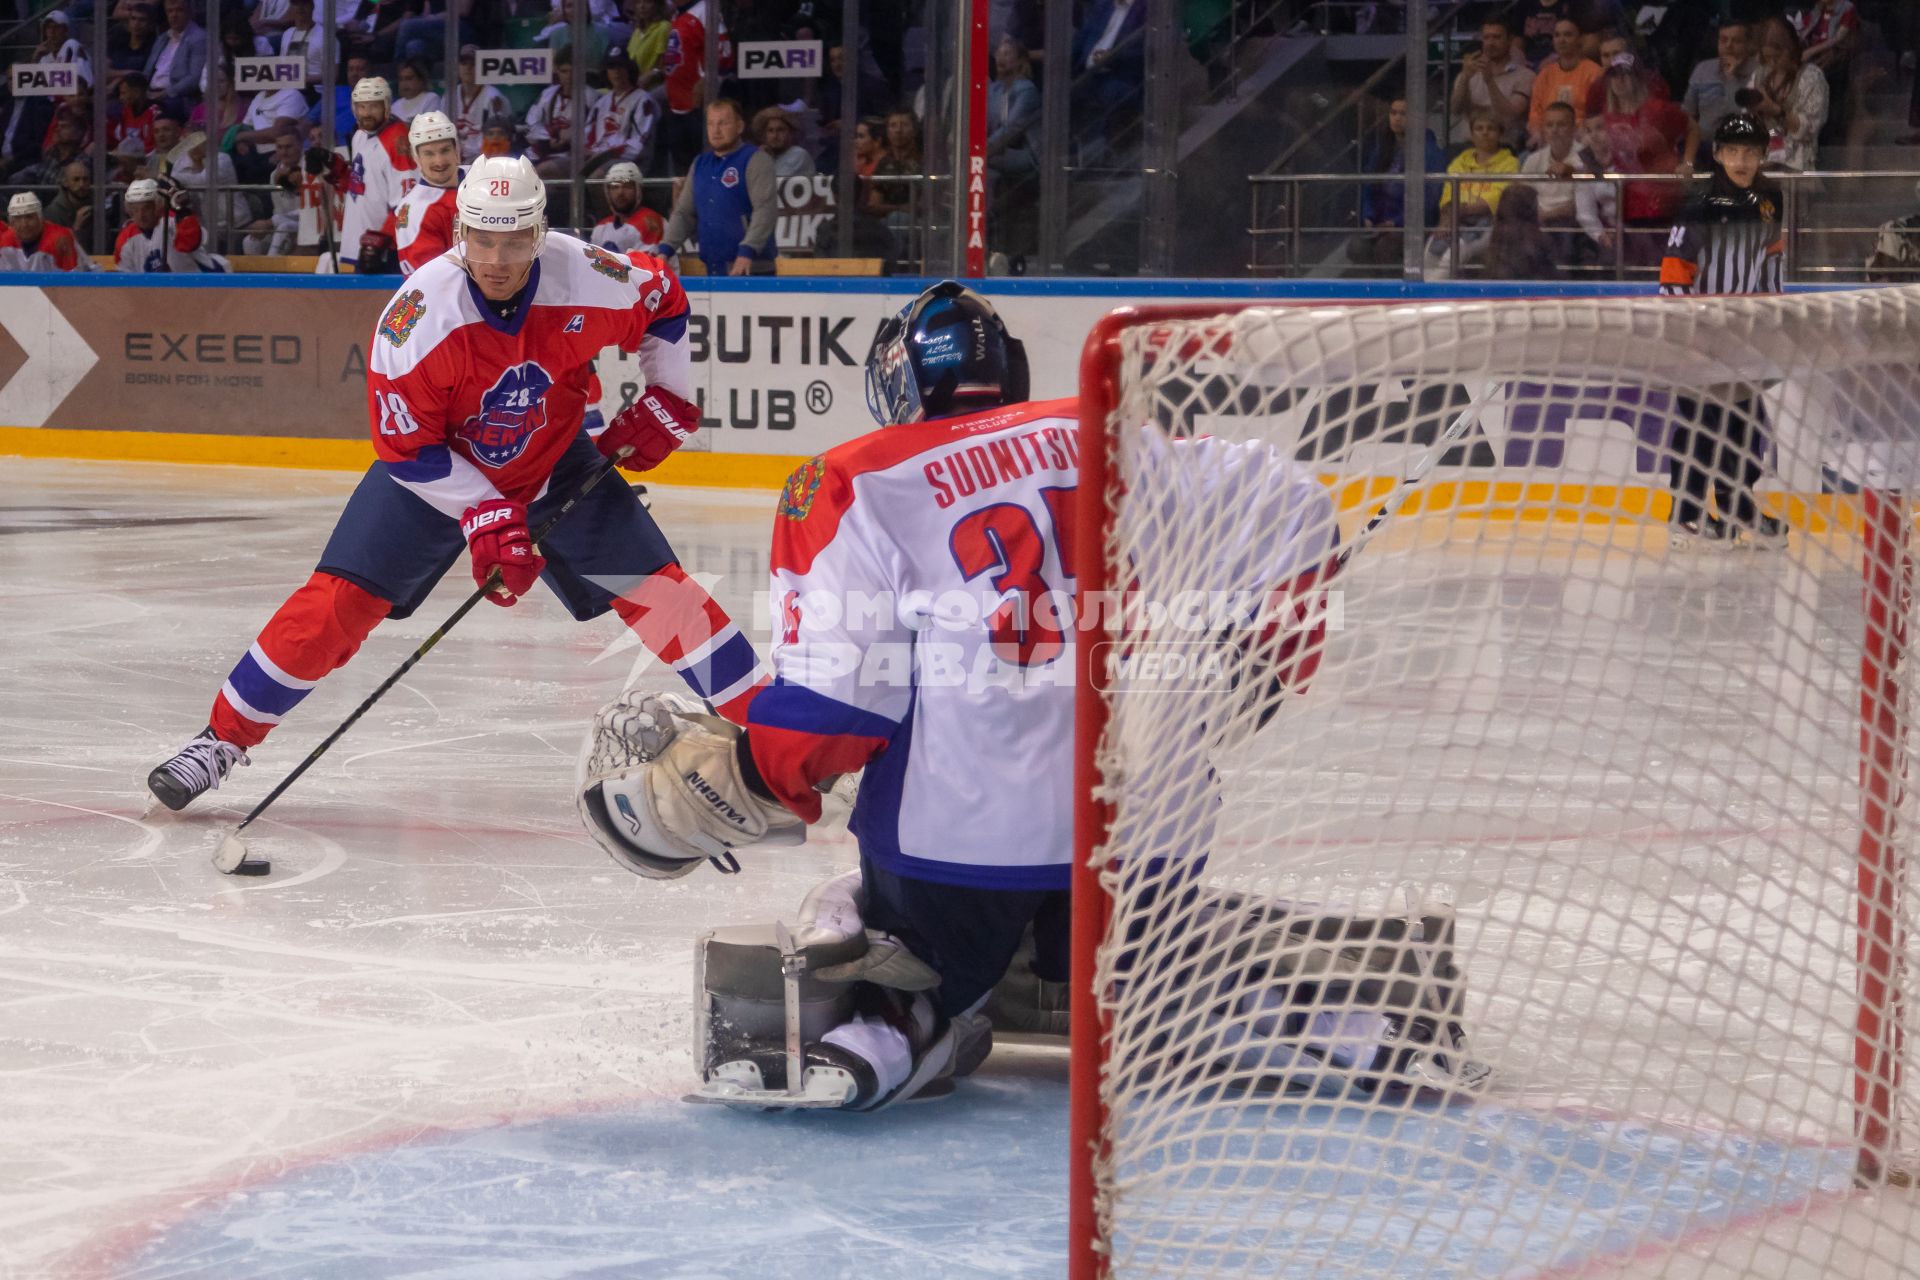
x=464, y=405
x=923, y=600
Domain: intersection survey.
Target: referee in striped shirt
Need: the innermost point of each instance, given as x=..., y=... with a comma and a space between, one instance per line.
x=1730, y=239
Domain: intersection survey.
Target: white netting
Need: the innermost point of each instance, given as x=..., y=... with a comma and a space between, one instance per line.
x=1631, y=770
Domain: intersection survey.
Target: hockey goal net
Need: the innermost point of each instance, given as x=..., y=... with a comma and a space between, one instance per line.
x=1560, y=923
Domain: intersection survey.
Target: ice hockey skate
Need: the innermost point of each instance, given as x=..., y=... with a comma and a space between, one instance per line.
x=197, y=768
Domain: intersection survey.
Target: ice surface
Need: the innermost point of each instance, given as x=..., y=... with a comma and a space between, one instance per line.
x=447, y=1037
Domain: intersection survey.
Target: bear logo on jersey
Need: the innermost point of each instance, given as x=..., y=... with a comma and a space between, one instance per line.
x=397, y=325
x=606, y=264
x=510, y=412
x=796, y=500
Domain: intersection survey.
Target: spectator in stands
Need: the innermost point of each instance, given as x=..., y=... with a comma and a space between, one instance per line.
x=1896, y=250
x=1383, y=205
x=869, y=148
x=727, y=200
x=1613, y=48
x=1013, y=110
x=1109, y=68
x=901, y=159
x=58, y=45
x=1788, y=96
x=237, y=39
x=1715, y=81
x=72, y=208
x=1538, y=19
x=1567, y=78
x=496, y=136
x=1476, y=201
x=280, y=231
x=631, y=226
x=1648, y=135
x=1518, y=248
x=133, y=115
x=424, y=35
x=272, y=112
x=1494, y=79
x=30, y=243
x=178, y=62
x=622, y=120
x=128, y=161
x=773, y=130
x=358, y=68
x=191, y=171
x=303, y=36
x=648, y=43
x=69, y=144
x=684, y=65
x=550, y=122
x=1828, y=31
x=1559, y=156
x=169, y=127
x=474, y=104
x=270, y=19
x=130, y=44
x=415, y=96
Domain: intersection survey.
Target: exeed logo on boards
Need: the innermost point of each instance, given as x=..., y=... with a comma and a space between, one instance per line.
x=213, y=348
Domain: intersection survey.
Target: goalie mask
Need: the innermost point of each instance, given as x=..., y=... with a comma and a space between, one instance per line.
x=947, y=353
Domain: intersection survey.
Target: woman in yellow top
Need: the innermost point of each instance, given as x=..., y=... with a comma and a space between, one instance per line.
x=1477, y=200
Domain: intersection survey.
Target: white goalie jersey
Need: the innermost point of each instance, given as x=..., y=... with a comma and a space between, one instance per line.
x=923, y=597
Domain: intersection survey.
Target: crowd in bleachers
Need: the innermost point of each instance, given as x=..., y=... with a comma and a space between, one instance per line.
x=168, y=79
x=1557, y=89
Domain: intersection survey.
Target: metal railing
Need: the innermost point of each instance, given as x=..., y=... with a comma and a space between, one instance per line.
x=1280, y=230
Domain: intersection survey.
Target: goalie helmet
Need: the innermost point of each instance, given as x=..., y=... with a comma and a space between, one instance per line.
x=947, y=353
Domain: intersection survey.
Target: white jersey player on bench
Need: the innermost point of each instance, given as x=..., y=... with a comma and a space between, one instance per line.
x=923, y=605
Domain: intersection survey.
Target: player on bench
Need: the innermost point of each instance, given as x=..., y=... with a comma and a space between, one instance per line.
x=924, y=611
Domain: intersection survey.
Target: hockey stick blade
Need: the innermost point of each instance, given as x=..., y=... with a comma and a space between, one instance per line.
x=231, y=854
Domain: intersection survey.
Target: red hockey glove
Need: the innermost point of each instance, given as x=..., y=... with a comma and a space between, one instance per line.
x=653, y=427
x=497, y=538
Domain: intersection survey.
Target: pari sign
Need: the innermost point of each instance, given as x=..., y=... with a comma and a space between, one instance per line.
x=772, y=59
x=513, y=66
x=269, y=73
x=44, y=79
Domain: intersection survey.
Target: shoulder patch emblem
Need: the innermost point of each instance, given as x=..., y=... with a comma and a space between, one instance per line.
x=397, y=325
x=402, y=214
x=606, y=264
x=796, y=500
x=1766, y=209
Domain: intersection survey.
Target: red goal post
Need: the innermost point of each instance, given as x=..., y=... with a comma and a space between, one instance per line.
x=1796, y=368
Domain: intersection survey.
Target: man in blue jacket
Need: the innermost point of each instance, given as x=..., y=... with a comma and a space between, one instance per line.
x=727, y=201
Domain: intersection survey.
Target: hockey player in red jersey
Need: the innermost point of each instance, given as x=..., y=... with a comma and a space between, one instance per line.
x=923, y=595
x=375, y=175
x=162, y=234
x=476, y=388
x=28, y=242
x=631, y=226
x=422, y=226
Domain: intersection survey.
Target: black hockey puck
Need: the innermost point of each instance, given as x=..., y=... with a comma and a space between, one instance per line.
x=254, y=867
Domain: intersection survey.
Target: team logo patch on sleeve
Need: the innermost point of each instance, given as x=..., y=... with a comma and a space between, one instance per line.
x=796, y=500
x=606, y=264
x=397, y=325
x=401, y=215
x=510, y=412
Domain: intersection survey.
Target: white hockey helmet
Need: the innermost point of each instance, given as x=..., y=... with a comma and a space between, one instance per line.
x=625, y=171
x=373, y=89
x=141, y=190
x=431, y=126
x=23, y=204
x=502, y=193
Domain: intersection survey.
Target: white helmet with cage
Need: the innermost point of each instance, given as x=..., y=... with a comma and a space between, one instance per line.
x=431, y=126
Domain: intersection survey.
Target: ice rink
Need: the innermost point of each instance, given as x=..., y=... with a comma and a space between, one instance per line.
x=448, y=1038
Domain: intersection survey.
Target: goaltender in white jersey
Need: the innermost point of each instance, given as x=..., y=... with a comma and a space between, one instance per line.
x=923, y=597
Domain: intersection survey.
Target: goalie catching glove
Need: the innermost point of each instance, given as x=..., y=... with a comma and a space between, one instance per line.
x=662, y=789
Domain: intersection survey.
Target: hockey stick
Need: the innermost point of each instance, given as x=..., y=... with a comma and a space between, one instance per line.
x=1454, y=432
x=230, y=855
